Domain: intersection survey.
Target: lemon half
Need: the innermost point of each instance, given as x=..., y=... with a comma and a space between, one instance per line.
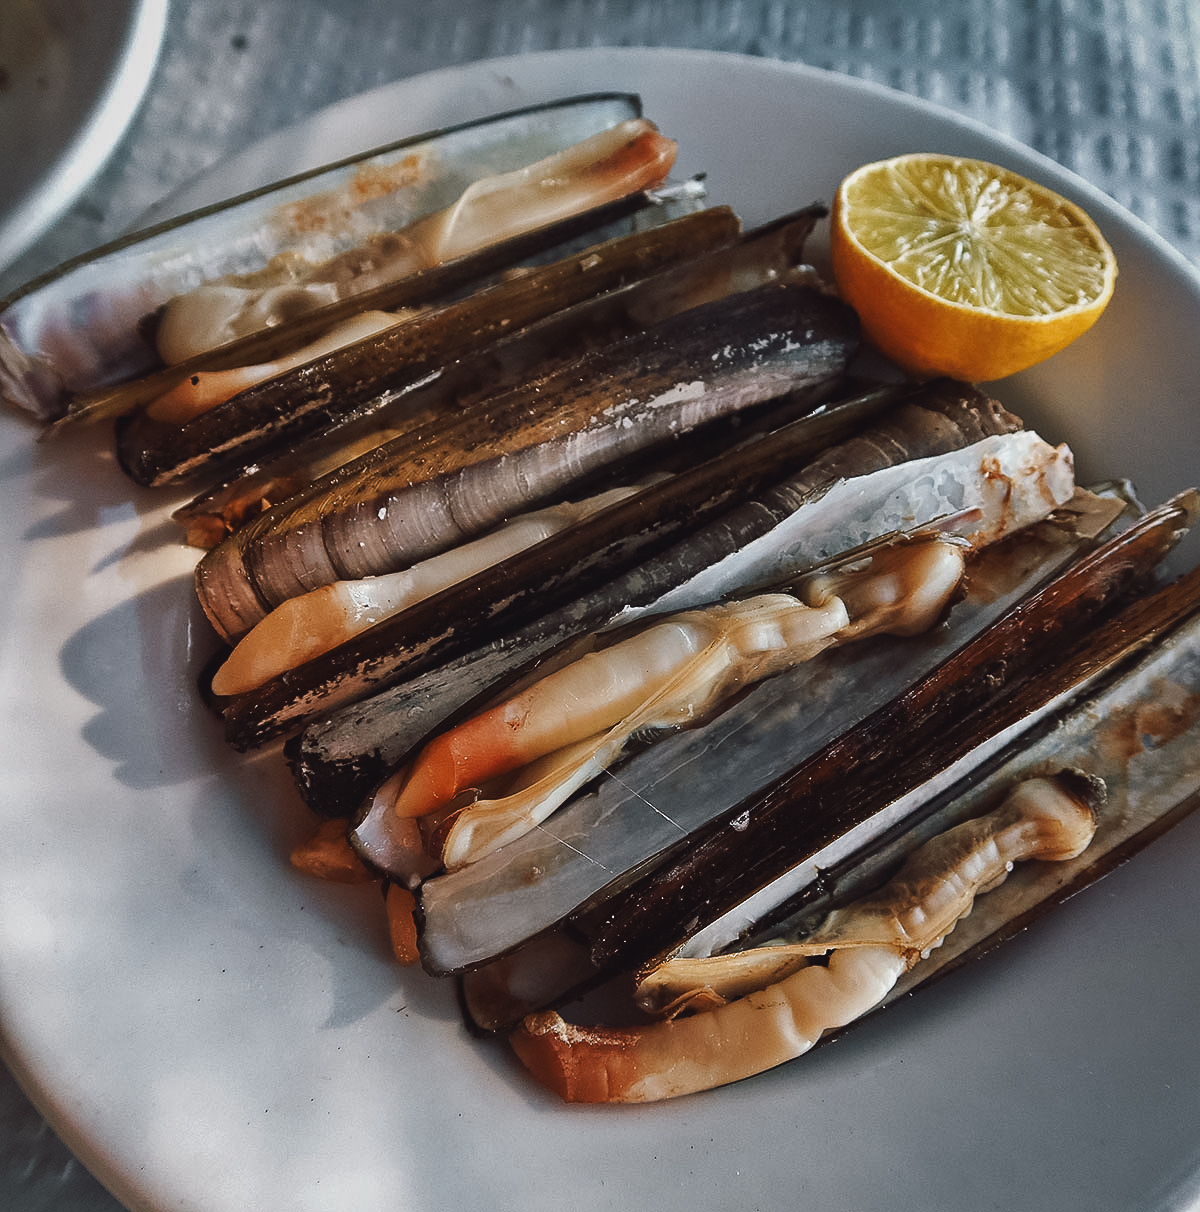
x=960, y=267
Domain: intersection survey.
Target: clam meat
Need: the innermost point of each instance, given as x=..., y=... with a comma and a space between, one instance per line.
x=306, y=240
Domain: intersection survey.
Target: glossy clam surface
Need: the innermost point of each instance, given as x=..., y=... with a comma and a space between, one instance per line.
x=83, y=326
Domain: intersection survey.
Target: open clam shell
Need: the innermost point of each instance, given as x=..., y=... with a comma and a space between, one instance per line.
x=89, y=323
x=1119, y=703
x=702, y=517
x=691, y=783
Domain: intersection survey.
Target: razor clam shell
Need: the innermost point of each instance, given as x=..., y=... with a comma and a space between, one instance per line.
x=427, y=286
x=1075, y=713
x=761, y=255
x=445, y=481
x=1132, y=722
x=361, y=378
x=83, y=325
x=337, y=762
x=580, y=562
x=940, y=718
x=644, y=807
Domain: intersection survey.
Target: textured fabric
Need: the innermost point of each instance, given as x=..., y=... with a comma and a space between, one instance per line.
x=1109, y=88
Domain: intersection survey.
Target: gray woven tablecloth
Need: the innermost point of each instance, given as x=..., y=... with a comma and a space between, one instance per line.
x=1108, y=88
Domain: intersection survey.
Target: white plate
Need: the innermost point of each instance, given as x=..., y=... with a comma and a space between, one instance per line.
x=74, y=73
x=211, y=1032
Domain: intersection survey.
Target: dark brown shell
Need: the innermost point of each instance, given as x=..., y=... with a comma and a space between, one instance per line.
x=360, y=378
x=976, y=693
x=430, y=489
x=340, y=757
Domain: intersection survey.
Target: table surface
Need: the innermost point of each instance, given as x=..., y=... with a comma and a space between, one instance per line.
x=1108, y=88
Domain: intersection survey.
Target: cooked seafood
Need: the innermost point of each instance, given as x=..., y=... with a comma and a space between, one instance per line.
x=441, y=484
x=832, y=736
x=631, y=557
x=379, y=372
x=575, y=722
x=302, y=628
x=870, y=943
x=630, y=737
x=913, y=912
x=85, y=324
x=625, y=159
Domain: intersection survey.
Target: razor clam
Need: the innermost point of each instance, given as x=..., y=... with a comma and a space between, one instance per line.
x=872, y=944
x=304, y=628
x=369, y=376
x=443, y=482
x=528, y=586
x=338, y=761
x=1060, y=701
x=170, y=387
x=84, y=324
x=942, y=717
x=611, y=165
x=551, y=738
x=762, y=254
x=906, y=913
x=676, y=785
x=1133, y=732
x=850, y=848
